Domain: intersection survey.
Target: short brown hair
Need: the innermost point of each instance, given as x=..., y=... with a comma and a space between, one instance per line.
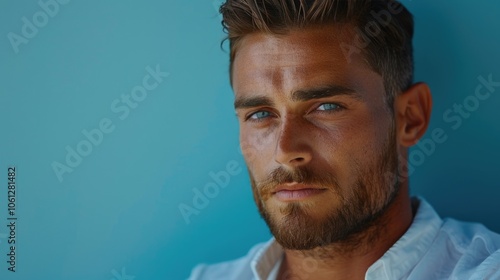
x=386, y=27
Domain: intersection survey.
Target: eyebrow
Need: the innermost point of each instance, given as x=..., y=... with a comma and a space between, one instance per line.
x=322, y=92
x=297, y=96
x=251, y=102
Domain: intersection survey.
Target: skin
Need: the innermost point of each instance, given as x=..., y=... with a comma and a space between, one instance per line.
x=341, y=135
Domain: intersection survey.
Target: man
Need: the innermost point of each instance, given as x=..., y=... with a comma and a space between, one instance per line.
x=327, y=107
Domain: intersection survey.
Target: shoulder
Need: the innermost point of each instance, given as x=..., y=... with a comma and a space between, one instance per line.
x=235, y=269
x=474, y=249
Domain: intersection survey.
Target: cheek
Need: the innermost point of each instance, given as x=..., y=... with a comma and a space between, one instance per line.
x=367, y=144
x=256, y=149
x=334, y=152
x=350, y=146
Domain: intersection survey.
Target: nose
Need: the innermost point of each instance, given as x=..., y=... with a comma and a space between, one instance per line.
x=293, y=147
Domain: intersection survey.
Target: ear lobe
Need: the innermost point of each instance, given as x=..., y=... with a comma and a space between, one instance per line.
x=412, y=110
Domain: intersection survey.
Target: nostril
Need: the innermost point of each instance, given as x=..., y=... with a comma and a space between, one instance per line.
x=298, y=160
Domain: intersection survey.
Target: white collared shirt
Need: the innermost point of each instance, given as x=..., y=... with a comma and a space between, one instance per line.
x=431, y=248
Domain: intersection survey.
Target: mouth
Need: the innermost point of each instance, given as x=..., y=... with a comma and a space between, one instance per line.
x=296, y=191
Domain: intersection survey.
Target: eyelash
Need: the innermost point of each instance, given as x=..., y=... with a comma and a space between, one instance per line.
x=338, y=108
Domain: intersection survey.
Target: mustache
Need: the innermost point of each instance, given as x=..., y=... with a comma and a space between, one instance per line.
x=301, y=175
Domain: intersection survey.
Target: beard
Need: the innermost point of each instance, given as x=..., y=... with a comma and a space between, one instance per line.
x=357, y=207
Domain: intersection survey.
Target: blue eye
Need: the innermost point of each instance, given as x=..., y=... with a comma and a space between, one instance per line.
x=328, y=107
x=259, y=115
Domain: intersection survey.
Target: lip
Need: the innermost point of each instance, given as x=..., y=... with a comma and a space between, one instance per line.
x=296, y=191
x=294, y=187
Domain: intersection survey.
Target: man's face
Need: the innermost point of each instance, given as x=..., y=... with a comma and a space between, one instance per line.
x=316, y=134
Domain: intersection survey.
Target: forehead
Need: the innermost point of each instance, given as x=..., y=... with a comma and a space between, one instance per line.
x=300, y=58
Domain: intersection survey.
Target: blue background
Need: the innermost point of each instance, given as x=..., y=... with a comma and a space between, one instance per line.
x=117, y=214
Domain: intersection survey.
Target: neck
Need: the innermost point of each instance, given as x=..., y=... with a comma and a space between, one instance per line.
x=345, y=260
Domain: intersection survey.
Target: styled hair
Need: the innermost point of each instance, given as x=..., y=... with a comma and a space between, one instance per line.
x=384, y=26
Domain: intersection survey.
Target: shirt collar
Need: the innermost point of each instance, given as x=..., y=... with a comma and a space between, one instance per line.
x=396, y=263
x=404, y=255
x=266, y=259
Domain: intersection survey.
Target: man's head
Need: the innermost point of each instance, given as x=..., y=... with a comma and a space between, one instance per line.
x=323, y=116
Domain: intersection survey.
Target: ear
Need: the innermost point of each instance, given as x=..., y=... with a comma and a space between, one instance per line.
x=412, y=110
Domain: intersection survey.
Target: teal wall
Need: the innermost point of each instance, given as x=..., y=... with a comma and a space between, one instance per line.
x=114, y=212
